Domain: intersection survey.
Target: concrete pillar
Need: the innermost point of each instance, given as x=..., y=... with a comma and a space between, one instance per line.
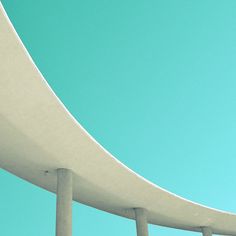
x=206, y=231
x=141, y=222
x=64, y=203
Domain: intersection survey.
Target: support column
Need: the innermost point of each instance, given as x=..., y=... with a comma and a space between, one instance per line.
x=64, y=203
x=141, y=222
x=206, y=231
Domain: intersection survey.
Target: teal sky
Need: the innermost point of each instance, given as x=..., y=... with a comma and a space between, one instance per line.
x=153, y=81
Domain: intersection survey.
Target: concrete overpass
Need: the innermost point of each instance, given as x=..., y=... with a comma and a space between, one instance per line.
x=42, y=143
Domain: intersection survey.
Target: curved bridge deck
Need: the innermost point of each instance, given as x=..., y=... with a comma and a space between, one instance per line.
x=39, y=136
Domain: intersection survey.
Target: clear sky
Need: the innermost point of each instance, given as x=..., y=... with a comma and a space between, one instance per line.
x=153, y=81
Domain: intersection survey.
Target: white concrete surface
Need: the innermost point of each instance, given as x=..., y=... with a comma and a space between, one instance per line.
x=141, y=222
x=64, y=203
x=206, y=231
x=38, y=134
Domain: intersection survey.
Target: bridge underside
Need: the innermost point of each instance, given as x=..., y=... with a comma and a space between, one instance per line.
x=42, y=143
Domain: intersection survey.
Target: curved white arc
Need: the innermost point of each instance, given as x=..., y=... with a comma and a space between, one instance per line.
x=38, y=136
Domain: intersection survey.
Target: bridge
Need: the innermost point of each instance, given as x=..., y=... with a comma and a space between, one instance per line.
x=42, y=143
